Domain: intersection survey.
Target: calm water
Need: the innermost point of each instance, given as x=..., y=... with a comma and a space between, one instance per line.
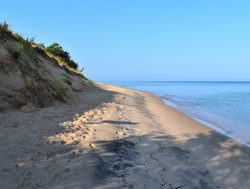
x=224, y=106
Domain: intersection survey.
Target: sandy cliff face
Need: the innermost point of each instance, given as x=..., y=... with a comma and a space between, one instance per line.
x=29, y=78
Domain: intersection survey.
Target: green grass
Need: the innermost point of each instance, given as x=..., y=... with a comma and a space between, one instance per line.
x=58, y=87
x=20, y=47
x=66, y=80
x=26, y=44
x=30, y=84
x=15, y=50
x=90, y=82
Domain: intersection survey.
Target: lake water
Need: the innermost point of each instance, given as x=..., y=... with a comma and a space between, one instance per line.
x=223, y=106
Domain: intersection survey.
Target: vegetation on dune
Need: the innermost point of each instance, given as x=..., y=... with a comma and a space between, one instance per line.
x=22, y=46
x=91, y=82
x=4, y=29
x=54, y=50
x=63, y=58
x=14, y=50
x=66, y=80
x=58, y=87
x=45, y=74
x=27, y=43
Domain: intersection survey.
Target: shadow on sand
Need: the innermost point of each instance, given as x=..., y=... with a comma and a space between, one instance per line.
x=160, y=161
x=115, y=122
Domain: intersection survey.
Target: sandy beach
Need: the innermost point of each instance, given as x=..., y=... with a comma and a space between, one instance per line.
x=116, y=138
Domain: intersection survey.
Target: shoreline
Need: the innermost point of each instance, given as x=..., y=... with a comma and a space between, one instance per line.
x=205, y=122
x=117, y=138
x=168, y=101
x=171, y=104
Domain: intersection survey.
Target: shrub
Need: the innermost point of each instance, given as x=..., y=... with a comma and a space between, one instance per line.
x=72, y=64
x=16, y=54
x=4, y=28
x=56, y=50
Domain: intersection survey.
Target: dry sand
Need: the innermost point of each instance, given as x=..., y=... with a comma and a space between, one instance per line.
x=116, y=138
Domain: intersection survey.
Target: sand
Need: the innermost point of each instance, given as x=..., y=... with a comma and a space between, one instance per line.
x=116, y=138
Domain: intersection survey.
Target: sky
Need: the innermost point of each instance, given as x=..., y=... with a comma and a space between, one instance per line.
x=142, y=40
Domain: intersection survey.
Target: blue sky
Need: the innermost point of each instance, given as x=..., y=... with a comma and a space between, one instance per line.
x=142, y=40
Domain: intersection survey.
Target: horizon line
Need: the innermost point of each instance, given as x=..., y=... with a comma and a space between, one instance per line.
x=235, y=81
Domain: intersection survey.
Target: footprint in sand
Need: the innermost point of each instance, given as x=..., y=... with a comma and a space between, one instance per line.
x=92, y=145
x=119, y=133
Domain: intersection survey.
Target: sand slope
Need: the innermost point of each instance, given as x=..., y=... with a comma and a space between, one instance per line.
x=116, y=138
x=34, y=79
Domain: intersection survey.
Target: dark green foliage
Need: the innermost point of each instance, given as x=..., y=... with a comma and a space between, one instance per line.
x=16, y=54
x=72, y=64
x=57, y=50
x=4, y=28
